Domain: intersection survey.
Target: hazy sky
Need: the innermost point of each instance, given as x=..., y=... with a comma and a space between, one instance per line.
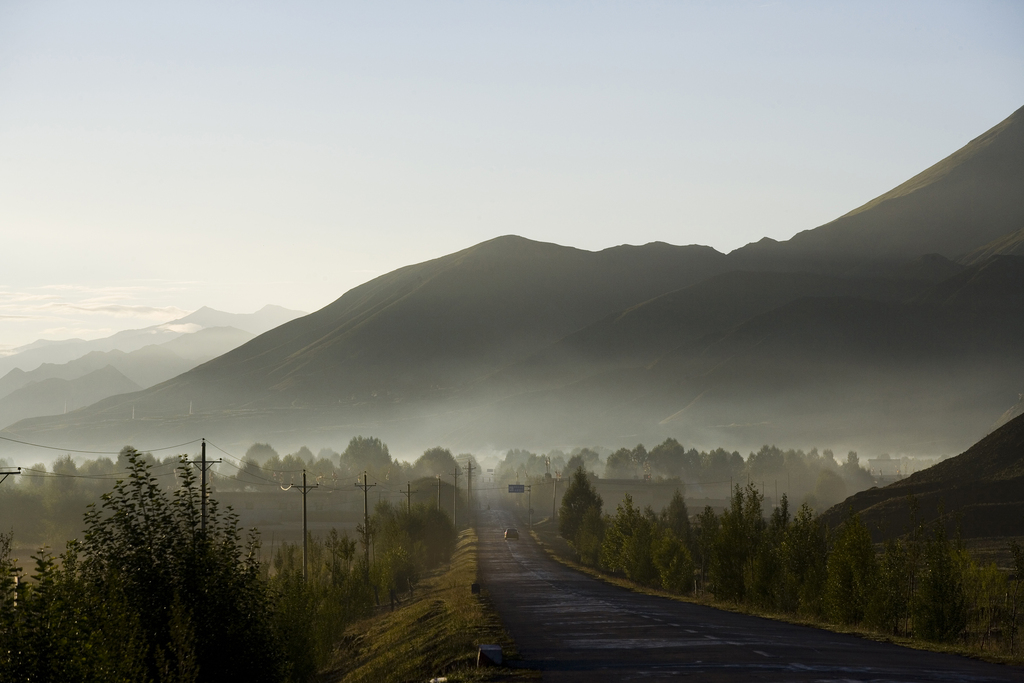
x=155, y=158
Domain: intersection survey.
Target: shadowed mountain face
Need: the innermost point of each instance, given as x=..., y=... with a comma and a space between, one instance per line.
x=928, y=375
x=864, y=332
x=984, y=486
x=1007, y=245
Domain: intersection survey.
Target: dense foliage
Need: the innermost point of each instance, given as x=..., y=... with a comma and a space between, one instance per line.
x=924, y=585
x=148, y=595
x=145, y=596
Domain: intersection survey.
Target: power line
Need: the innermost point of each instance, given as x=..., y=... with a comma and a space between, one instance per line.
x=72, y=450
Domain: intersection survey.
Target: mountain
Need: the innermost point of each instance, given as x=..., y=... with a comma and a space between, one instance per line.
x=983, y=486
x=1007, y=245
x=146, y=366
x=643, y=333
x=267, y=318
x=31, y=356
x=927, y=375
x=968, y=200
x=55, y=396
x=873, y=331
x=424, y=330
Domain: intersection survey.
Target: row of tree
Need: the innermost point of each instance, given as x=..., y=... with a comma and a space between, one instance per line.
x=819, y=479
x=923, y=585
x=149, y=595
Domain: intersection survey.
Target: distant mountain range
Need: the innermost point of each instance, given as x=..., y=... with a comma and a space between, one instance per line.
x=52, y=388
x=42, y=351
x=895, y=327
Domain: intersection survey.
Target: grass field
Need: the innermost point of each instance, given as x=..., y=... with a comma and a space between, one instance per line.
x=433, y=634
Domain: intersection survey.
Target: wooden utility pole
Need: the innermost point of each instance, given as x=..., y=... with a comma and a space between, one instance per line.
x=529, y=504
x=305, y=534
x=455, y=495
x=366, y=521
x=204, y=466
x=408, y=494
x=439, y=492
x=469, y=489
x=554, y=492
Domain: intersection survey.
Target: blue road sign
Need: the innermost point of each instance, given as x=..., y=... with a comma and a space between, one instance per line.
x=517, y=488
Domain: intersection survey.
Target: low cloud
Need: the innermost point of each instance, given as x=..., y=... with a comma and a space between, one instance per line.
x=184, y=328
x=119, y=310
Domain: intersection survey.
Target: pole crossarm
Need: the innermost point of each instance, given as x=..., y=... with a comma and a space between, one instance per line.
x=204, y=466
x=6, y=472
x=408, y=495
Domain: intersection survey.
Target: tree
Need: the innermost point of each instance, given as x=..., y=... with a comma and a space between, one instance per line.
x=676, y=518
x=851, y=573
x=366, y=453
x=674, y=563
x=806, y=554
x=620, y=465
x=707, y=540
x=261, y=452
x=627, y=547
x=667, y=458
x=889, y=603
x=579, y=498
x=830, y=489
x=435, y=461
x=133, y=599
x=940, y=610
x=769, y=560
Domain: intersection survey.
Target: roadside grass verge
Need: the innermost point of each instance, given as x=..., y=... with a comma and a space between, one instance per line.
x=546, y=535
x=435, y=633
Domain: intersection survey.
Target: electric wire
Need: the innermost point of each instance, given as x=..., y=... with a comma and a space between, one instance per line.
x=73, y=450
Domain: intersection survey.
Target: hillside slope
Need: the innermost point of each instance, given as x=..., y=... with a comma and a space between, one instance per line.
x=55, y=396
x=926, y=376
x=982, y=489
x=969, y=199
x=414, y=334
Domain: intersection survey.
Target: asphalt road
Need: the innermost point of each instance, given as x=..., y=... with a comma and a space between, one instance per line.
x=575, y=628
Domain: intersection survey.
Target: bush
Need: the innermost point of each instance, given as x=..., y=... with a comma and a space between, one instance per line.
x=146, y=596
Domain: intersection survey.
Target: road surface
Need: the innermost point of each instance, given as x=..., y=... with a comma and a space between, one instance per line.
x=575, y=628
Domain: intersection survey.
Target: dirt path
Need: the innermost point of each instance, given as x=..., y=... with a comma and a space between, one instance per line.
x=575, y=628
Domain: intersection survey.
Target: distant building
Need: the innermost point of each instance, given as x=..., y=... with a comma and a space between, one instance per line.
x=885, y=469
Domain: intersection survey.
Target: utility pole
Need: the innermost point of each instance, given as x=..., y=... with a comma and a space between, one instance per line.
x=366, y=520
x=455, y=495
x=529, y=504
x=408, y=494
x=304, y=490
x=554, y=492
x=204, y=466
x=439, y=492
x=8, y=472
x=469, y=488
